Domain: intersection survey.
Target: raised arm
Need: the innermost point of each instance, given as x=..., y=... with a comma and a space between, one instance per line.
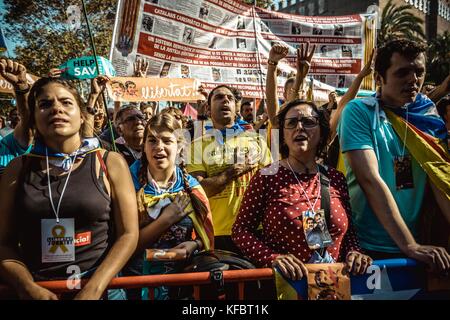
x=350, y=95
x=277, y=52
x=16, y=75
x=440, y=91
x=304, y=57
x=98, y=85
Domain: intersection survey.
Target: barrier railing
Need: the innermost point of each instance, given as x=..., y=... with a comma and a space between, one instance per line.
x=385, y=279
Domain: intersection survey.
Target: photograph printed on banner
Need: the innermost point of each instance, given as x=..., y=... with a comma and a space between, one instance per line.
x=338, y=30
x=188, y=35
x=204, y=11
x=316, y=230
x=164, y=73
x=241, y=43
x=147, y=23
x=213, y=43
x=341, y=81
x=264, y=27
x=328, y=282
x=347, y=52
x=316, y=30
x=296, y=28
x=216, y=74
x=184, y=69
x=240, y=23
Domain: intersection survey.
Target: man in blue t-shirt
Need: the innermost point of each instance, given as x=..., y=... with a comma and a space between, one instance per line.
x=386, y=183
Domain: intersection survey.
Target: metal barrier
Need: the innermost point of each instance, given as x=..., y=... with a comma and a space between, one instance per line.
x=385, y=279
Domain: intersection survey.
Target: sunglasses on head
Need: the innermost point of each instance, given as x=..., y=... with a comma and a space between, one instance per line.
x=307, y=122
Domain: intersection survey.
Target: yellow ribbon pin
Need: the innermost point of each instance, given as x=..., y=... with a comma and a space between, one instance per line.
x=61, y=234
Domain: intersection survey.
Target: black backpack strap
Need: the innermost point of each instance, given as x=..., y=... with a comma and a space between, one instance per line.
x=325, y=192
x=324, y=197
x=103, y=169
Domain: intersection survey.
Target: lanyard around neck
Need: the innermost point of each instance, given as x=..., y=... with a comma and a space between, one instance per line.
x=311, y=206
x=56, y=211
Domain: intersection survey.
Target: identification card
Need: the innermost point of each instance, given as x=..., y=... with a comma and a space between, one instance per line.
x=403, y=172
x=57, y=240
x=316, y=230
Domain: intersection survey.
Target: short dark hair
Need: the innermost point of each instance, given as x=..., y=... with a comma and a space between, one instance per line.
x=323, y=123
x=124, y=109
x=289, y=81
x=236, y=93
x=405, y=47
x=247, y=103
x=128, y=83
x=442, y=107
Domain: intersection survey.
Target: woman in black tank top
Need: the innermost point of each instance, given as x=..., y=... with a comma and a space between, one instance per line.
x=58, y=215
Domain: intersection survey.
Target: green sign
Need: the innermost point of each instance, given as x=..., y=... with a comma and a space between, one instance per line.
x=85, y=68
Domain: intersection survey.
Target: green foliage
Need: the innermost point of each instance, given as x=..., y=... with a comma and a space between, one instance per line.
x=438, y=67
x=399, y=22
x=46, y=41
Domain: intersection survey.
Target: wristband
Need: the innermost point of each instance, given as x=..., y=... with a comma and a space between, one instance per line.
x=22, y=91
x=272, y=63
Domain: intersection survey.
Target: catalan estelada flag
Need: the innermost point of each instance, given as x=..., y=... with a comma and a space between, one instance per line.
x=3, y=46
x=427, y=150
x=289, y=289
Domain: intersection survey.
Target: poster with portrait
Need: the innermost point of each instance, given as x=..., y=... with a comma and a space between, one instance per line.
x=327, y=281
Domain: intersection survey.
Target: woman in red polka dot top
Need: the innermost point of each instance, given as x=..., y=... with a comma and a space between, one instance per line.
x=286, y=199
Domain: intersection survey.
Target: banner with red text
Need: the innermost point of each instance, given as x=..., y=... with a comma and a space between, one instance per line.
x=227, y=42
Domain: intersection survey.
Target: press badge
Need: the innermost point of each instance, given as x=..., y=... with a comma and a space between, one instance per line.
x=316, y=230
x=57, y=240
x=403, y=172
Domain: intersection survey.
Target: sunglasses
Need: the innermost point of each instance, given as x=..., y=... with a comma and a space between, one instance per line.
x=134, y=118
x=307, y=122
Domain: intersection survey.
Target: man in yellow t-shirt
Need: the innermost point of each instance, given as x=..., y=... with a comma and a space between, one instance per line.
x=224, y=160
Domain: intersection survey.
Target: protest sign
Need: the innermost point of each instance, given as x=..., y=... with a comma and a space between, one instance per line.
x=85, y=68
x=153, y=89
x=227, y=42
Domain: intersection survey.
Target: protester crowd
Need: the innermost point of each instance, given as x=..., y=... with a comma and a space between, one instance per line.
x=109, y=192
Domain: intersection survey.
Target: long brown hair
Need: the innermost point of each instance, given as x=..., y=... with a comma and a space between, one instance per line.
x=167, y=122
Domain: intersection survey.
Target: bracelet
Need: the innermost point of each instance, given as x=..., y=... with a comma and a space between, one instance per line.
x=197, y=249
x=272, y=63
x=22, y=91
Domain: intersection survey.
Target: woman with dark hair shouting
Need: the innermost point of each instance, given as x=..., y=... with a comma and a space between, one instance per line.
x=303, y=207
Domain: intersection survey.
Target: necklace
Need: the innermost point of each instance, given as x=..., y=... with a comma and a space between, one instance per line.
x=311, y=206
x=56, y=210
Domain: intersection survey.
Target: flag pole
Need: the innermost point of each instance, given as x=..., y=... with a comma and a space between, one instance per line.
x=98, y=72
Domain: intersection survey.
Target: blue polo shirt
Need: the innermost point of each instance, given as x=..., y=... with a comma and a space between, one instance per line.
x=363, y=125
x=10, y=149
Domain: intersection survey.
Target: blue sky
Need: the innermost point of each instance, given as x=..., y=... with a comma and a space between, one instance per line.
x=11, y=45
